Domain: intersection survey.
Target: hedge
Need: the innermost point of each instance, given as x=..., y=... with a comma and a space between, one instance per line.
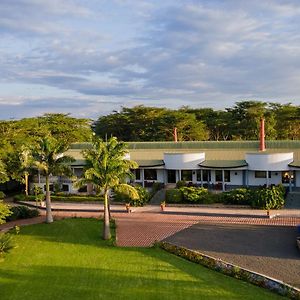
x=264, y=198
x=22, y=212
x=65, y=198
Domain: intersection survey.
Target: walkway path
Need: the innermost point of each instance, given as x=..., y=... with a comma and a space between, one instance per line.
x=145, y=225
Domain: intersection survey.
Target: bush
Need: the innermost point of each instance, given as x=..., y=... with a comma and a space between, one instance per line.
x=144, y=197
x=22, y=212
x=22, y=197
x=193, y=194
x=174, y=196
x=6, y=243
x=211, y=198
x=4, y=212
x=268, y=198
x=77, y=198
x=180, y=184
x=2, y=195
x=240, y=196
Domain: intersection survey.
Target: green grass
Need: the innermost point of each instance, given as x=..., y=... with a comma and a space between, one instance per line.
x=68, y=260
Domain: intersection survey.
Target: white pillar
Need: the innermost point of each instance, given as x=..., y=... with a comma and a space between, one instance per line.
x=143, y=177
x=179, y=175
x=201, y=174
x=267, y=179
x=223, y=181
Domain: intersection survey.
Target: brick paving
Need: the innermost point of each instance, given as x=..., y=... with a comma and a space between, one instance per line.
x=147, y=225
x=143, y=229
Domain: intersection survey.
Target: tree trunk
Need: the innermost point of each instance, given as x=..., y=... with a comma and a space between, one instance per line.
x=49, y=218
x=106, y=227
x=26, y=183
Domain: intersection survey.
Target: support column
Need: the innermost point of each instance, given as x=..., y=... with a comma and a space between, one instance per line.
x=223, y=181
x=179, y=175
x=39, y=177
x=267, y=178
x=201, y=174
x=290, y=181
x=143, y=177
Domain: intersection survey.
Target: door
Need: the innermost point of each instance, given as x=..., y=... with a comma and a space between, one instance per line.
x=171, y=176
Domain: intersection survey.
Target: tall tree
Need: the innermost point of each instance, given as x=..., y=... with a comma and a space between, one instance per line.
x=107, y=168
x=49, y=159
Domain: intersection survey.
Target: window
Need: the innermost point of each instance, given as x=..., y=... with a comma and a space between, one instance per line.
x=262, y=174
x=206, y=175
x=50, y=187
x=65, y=187
x=199, y=175
x=187, y=175
x=226, y=175
x=83, y=189
x=286, y=177
x=150, y=174
x=219, y=176
x=137, y=174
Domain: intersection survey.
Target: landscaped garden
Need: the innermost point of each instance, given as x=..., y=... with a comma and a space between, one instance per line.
x=68, y=260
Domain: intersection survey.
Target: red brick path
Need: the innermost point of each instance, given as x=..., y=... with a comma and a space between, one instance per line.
x=142, y=229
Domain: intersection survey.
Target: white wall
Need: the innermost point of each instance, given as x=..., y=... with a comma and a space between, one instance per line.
x=236, y=179
x=183, y=161
x=269, y=161
x=275, y=179
x=161, y=175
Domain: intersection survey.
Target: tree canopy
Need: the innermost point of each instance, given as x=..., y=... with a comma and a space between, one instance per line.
x=240, y=122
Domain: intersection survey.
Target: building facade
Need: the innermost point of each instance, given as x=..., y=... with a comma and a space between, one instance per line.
x=218, y=165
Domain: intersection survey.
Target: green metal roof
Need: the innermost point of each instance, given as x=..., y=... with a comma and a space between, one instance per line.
x=251, y=145
x=282, y=144
x=150, y=163
x=223, y=164
x=295, y=164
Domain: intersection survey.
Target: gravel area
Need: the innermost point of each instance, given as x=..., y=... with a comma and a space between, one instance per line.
x=270, y=250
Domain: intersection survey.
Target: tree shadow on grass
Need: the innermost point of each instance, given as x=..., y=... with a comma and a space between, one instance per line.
x=73, y=282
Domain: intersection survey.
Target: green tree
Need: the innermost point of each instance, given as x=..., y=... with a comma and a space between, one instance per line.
x=106, y=168
x=49, y=159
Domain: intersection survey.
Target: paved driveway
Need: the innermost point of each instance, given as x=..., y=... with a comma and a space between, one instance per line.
x=270, y=250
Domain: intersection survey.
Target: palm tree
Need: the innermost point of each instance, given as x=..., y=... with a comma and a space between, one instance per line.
x=107, y=168
x=25, y=165
x=49, y=159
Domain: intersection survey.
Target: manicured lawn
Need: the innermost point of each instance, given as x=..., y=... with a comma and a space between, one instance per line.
x=68, y=260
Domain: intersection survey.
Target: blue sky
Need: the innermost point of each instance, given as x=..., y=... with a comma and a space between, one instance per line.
x=88, y=58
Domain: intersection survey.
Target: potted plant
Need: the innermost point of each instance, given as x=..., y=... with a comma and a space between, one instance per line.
x=127, y=206
x=163, y=205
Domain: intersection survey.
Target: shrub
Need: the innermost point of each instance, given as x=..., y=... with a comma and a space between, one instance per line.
x=268, y=198
x=22, y=212
x=144, y=197
x=193, y=194
x=77, y=198
x=22, y=197
x=174, y=196
x=240, y=196
x=4, y=211
x=6, y=243
x=180, y=184
x=2, y=195
x=212, y=198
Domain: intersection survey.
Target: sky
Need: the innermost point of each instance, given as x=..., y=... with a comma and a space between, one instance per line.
x=88, y=58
